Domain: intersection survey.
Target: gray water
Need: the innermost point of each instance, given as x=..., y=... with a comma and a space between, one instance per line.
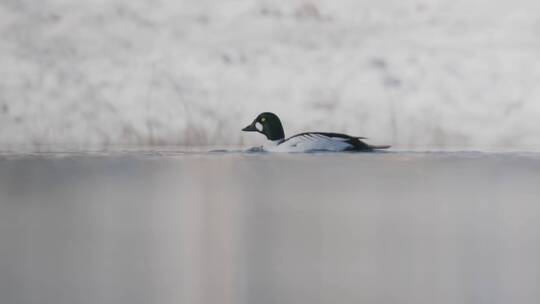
x=173, y=227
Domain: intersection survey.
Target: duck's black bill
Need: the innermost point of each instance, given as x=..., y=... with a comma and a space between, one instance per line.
x=250, y=128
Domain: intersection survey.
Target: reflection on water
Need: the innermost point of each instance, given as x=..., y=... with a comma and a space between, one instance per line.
x=262, y=228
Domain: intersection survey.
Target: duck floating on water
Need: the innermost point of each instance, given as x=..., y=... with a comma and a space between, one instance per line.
x=270, y=125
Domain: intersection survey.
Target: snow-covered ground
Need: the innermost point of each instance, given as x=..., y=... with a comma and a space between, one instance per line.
x=415, y=74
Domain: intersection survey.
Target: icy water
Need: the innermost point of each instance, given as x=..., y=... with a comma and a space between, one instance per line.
x=173, y=227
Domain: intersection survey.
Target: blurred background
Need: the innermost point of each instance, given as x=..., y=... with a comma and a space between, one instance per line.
x=412, y=73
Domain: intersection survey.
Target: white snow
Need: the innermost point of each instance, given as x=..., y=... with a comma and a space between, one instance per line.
x=432, y=73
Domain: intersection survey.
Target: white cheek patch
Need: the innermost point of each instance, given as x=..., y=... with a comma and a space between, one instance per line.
x=259, y=126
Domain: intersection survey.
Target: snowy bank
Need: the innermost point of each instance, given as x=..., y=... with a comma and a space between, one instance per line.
x=437, y=73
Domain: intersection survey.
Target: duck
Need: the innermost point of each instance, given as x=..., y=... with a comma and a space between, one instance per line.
x=269, y=124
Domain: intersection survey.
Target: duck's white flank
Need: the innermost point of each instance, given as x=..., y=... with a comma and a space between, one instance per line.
x=308, y=142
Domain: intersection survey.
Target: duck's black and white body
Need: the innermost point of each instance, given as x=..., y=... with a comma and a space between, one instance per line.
x=270, y=125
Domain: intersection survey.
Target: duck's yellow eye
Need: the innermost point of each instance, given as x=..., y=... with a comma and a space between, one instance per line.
x=263, y=119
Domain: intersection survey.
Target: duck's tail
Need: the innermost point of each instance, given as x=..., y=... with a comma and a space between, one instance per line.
x=380, y=147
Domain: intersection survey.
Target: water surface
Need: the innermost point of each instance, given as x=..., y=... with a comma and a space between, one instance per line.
x=165, y=226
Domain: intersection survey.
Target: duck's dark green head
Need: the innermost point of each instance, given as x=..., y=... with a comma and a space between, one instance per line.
x=268, y=124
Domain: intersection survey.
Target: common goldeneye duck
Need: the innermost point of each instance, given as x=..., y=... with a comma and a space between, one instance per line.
x=269, y=124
